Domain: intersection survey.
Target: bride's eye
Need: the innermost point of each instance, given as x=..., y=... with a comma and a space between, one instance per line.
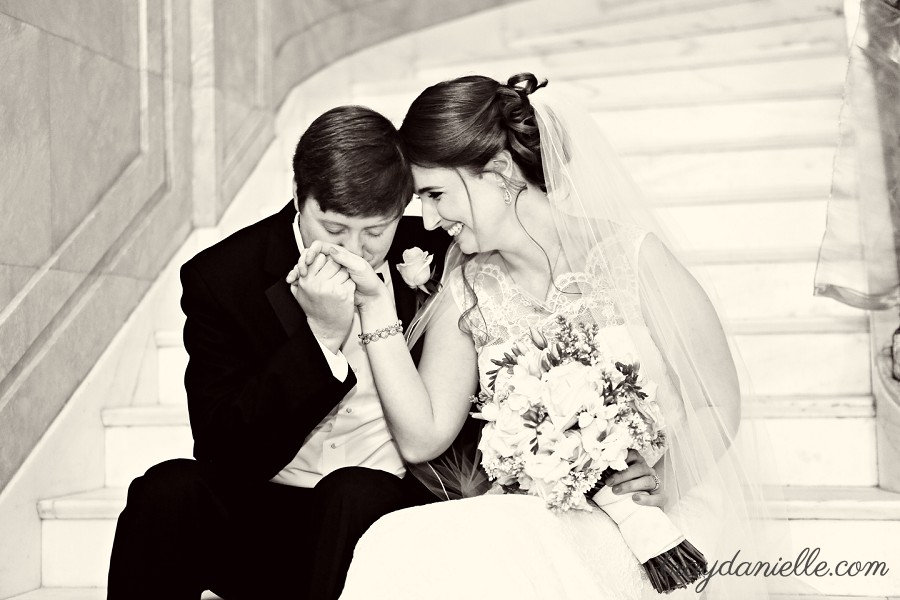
x=436, y=196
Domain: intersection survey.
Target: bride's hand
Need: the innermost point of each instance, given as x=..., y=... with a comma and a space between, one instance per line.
x=369, y=286
x=638, y=480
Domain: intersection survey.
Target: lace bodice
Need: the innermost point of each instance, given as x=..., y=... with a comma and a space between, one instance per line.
x=498, y=312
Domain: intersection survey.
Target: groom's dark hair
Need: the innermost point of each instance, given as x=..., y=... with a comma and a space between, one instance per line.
x=350, y=161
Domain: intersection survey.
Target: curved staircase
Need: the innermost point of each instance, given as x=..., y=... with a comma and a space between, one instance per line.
x=726, y=113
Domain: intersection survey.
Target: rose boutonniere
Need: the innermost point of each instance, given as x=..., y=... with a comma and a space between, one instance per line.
x=416, y=268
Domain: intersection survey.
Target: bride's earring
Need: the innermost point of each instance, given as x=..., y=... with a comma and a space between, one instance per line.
x=507, y=197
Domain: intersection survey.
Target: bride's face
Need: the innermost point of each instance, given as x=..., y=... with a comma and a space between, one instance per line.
x=468, y=207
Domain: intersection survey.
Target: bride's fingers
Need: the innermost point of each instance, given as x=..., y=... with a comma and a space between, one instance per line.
x=647, y=499
x=353, y=263
x=632, y=473
x=644, y=483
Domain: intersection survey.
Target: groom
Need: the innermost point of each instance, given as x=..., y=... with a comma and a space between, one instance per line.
x=294, y=460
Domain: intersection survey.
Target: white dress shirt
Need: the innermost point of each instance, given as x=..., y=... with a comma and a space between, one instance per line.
x=354, y=433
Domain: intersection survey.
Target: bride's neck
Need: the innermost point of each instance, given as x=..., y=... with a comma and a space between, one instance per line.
x=535, y=247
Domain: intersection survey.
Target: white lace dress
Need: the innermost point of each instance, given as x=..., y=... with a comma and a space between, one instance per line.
x=508, y=546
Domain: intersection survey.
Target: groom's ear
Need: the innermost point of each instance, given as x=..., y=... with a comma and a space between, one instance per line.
x=502, y=164
x=296, y=202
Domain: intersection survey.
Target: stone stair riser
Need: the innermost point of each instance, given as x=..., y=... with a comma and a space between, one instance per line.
x=804, y=364
x=776, y=42
x=130, y=451
x=822, y=451
x=766, y=290
x=681, y=86
x=735, y=226
x=666, y=23
x=76, y=552
x=172, y=362
x=720, y=172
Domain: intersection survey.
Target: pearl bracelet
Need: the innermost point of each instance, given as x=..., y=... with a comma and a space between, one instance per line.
x=380, y=334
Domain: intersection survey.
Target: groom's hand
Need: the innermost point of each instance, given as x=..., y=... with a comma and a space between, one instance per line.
x=325, y=293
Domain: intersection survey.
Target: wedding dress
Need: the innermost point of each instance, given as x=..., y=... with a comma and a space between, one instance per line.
x=511, y=546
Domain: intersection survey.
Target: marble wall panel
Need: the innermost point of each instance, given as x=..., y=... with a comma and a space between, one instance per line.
x=94, y=129
x=301, y=47
x=305, y=53
x=294, y=17
x=156, y=42
x=29, y=316
x=106, y=27
x=237, y=33
x=117, y=194
x=25, y=231
x=13, y=279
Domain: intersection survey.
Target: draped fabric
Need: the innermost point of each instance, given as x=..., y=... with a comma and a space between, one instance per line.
x=858, y=260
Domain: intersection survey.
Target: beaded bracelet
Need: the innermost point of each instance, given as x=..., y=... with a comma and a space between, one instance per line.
x=380, y=334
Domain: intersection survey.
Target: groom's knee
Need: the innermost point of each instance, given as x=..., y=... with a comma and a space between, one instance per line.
x=360, y=489
x=166, y=489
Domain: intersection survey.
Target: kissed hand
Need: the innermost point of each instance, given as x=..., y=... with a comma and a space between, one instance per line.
x=325, y=292
x=369, y=286
x=637, y=480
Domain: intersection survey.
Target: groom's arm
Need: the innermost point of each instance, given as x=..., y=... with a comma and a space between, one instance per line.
x=250, y=415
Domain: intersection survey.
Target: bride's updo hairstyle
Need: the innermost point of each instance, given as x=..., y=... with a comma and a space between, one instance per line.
x=465, y=122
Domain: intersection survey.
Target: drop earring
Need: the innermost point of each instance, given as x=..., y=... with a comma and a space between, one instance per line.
x=507, y=197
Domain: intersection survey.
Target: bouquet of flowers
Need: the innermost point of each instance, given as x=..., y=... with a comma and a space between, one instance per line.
x=559, y=413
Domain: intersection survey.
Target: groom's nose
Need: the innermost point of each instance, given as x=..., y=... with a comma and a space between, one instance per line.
x=430, y=216
x=353, y=243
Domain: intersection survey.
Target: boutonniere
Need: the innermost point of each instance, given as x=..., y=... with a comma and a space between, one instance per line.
x=416, y=269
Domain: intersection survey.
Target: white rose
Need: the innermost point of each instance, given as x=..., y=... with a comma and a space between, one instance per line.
x=567, y=390
x=507, y=435
x=525, y=390
x=415, y=268
x=614, y=448
x=546, y=467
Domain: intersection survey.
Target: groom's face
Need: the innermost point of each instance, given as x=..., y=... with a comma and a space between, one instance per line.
x=368, y=237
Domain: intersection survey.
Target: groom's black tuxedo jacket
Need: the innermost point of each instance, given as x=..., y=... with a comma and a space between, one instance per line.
x=257, y=381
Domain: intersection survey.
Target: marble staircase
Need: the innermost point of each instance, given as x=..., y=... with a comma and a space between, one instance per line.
x=726, y=112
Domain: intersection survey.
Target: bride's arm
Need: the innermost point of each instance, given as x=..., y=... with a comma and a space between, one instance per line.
x=425, y=408
x=685, y=327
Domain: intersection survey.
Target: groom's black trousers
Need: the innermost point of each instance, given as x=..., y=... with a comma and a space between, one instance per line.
x=188, y=528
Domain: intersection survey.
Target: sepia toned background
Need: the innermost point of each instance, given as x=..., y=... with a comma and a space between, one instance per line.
x=134, y=133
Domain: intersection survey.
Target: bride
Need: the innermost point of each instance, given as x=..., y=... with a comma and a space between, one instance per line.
x=545, y=223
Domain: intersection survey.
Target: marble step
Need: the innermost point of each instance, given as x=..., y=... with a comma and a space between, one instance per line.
x=764, y=123
x=717, y=83
x=672, y=21
x=172, y=360
x=82, y=593
x=139, y=437
x=807, y=407
x=716, y=172
x=736, y=226
x=543, y=19
x=78, y=528
x=805, y=361
x=761, y=290
x=776, y=40
x=816, y=75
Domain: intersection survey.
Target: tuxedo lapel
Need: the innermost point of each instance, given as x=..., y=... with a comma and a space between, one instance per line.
x=281, y=256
